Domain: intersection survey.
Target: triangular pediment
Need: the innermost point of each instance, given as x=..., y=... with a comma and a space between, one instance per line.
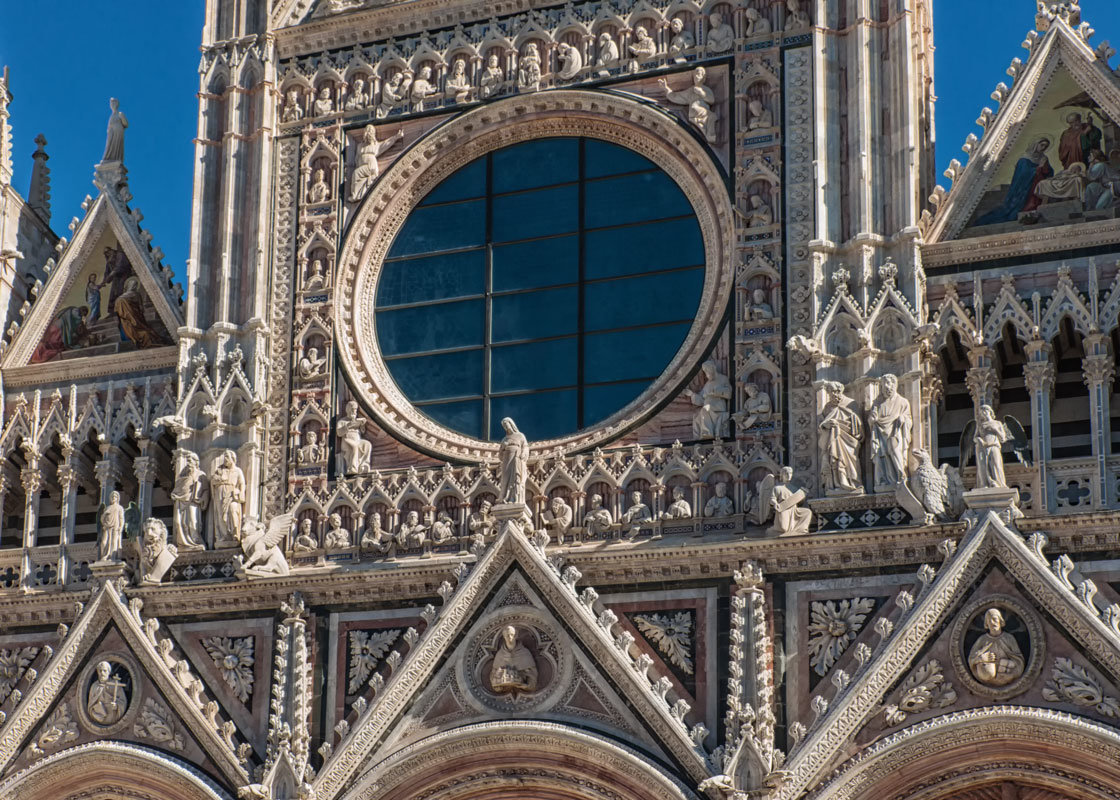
x=107, y=296
x=569, y=654
x=927, y=655
x=1032, y=139
x=146, y=694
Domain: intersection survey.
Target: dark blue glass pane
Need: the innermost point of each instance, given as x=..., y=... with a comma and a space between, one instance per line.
x=600, y=402
x=435, y=228
x=541, y=415
x=643, y=300
x=535, y=315
x=529, y=265
x=627, y=355
x=464, y=417
x=439, y=377
x=466, y=183
x=633, y=198
x=643, y=248
x=542, y=162
x=419, y=280
x=540, y=365
x=542, y=212
x=602, y=158
x=438, y=327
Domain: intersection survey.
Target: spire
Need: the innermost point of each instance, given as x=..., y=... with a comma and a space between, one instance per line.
x=39, y=195
x=5, y=131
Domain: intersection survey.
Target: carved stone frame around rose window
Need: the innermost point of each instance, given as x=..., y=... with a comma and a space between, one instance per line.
x=608, y=116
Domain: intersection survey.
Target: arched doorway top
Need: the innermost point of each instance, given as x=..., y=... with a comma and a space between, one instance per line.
x=940, y=758
x=514, y=760
x=115, y=768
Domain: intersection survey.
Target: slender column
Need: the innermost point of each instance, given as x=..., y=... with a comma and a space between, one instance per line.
x=68, y=484
x=108, y=471
x=981, y=378
x=1097, y=371
x=1039, y=375
x=5, y=485
x=32, y=483
x=144, y=467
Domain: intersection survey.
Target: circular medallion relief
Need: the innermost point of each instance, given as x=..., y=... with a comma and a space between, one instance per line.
x=997, y=646
x=564, y=260
x=106, y=690
x=516, y=661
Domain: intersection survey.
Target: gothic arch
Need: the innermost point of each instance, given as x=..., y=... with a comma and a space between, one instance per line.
x=512, y=760
x=111, y=769
x=947, y=756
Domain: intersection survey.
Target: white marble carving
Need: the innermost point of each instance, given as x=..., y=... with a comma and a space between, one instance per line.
x=719, y=504
x=513, y=670
x=191, y=495
x=557, y=518
x=890, y=423
x=320, y=191
x=597, y=521
x=784, y=499
x=760, y=309
x=112, y=528
x=721, y=36
x=513, y=456
x=114, y=136
x=156, y=555
x=636, y=515
x=759, y=116
x=757, y=407
x=107, y=698
x=529, y=69
x=571, y=62
x=394, y=94
x=293, y=106
x=995, y=659
x=338, y=538
x=796, y=18
x=356, y=450
x=1073, y=684
x=458, y=85
x=841, y=432
x=671, y=634
x=359, y=96
x=157, y=724
x=760, y=214
x=833, y=625
x=756, y=23
x=481, y=523
x=682, y=40
x=443, y=529
x=314, y=278
x=305, y=539
x=233, y=656
x=264, y=557
x=311, y=365
x=679, y=508
x=607, y=54
x=13, y=663
x=412, y=533
x=422, y=88
x=367, y=649
x=925, y=689
x=712, y=400
x=227, y=500
x=312, y=451
x=324, y=103
x=643, y=47
x=366, y=167
x=58, y=729
x=698, y=99
x=493, y=79
x=990, y=436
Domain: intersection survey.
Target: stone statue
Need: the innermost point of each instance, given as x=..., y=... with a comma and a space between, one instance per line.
x=995, y=658
x=413, y=533
x=756, y=23
x=760, y=214
x=315, y=278
x=394, y=94
x=571, y=62
x=930, y=485
x=721, y=36
x=376, y=537
x=513, y=669
x=713, y=399
x=305, y=539
x=636, y=514
x=719, y=504
x=682, y=40
x=990, y=436
x=699, y=99
x=458, y=85
x=493, y=79
x=890, y=422
x=597, y=520
x=760, y=116
x=191, y=495
x=312, y=452
x=443, y=529
x=679, y=508
x=796, y=18
x=760, y=309
x=338, y=538
x=644, y=47
x=293, y=108
x=558, y=518
x=366, y=168
x=107, y=699
x=227, y=496
x=838, y=443
x=481, y=523
x=320, y=192
x=789, y=518
x=157, y=555
x=757, y=407
x=112, y=527
x=607, y=54
x=422, y=88
x=261, y=546
x=359, y=96
x=513, y=455
x=311, y=365
x=114, y=137
x=324, y=104
x=357, y=452
x=529, y=69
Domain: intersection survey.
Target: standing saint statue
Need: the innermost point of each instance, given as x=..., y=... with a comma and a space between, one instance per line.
x=114, y=137
x=191, y=495
x=366, y=168
x=227, y=494
x=513, y=455
x=890, y=423
x=990, y=436
x=840, y=433
x=112, y=526
x=713, y=398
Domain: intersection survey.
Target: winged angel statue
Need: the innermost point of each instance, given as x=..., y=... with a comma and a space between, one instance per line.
x=984, y=439
x=263, y=547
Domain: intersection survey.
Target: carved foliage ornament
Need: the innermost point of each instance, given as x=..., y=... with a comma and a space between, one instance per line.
x=13, y=663
x=59, y=729
x=367, y=649
x=155, y=722
x=833, y=626
x=234, y=660
x=671, y=634
x=1072, y=683
x=926, y=688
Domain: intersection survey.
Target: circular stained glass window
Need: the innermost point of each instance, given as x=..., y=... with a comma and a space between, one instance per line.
x=550, y=281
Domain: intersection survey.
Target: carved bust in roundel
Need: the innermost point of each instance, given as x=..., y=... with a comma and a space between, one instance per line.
x=997, y=646
x=514, y=668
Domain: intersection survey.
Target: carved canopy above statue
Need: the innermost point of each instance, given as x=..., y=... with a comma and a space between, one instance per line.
x=612, y=118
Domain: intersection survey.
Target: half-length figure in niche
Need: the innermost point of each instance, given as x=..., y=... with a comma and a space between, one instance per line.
x=108, y=695
x=995, y=658
x=514, y=670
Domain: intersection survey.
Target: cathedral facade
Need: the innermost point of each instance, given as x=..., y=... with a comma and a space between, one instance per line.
x=573, y=401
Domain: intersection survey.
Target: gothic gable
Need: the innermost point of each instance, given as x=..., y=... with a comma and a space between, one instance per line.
x=1033, y=166
x=107, y=296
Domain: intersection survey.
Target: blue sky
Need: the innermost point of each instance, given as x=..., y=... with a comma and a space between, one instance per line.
x=67, y=57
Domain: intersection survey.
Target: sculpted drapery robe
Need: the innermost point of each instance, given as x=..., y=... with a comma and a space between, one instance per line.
x=996, y=660
x=841, y=431
x=890, y=425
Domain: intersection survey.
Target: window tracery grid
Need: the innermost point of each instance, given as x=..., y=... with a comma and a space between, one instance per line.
x=550, y=281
